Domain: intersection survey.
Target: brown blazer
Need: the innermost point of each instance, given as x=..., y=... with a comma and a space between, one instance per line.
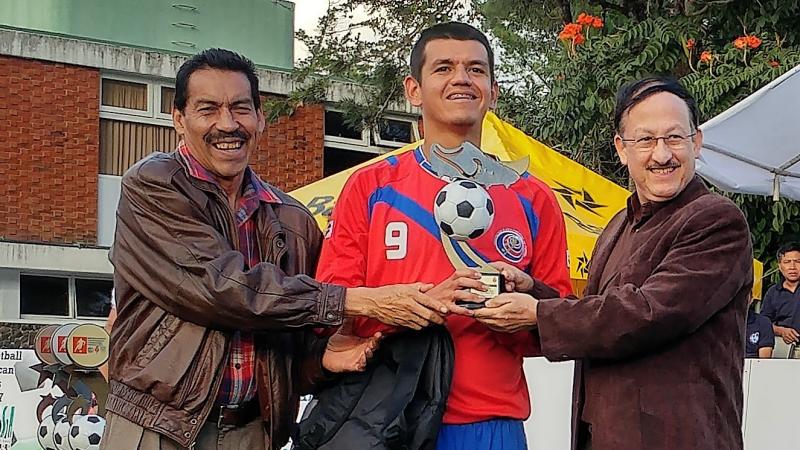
x=661, y=344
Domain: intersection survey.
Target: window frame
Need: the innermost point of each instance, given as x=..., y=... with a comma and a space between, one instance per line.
x=370, y=135
x=396, y=144
x=151, y=116
x=358, y=145
x=72, y=297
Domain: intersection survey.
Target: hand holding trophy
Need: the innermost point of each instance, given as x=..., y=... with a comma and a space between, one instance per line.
x=464, y=211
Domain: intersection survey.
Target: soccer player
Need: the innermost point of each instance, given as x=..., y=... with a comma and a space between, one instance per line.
x=383, y=231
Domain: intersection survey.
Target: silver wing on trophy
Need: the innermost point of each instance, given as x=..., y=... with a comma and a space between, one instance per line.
x=469, y=162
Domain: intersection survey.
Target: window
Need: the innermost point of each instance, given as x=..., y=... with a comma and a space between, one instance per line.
x=41, y=295
x=347, y=146
x=123, y=143
x=167, y=99
x=341, y=135
x=135, y=120
x=395, y=132
x=65, y=296
x=93, y=297
x=390, y=132
x=336, y=160
x=124, y=94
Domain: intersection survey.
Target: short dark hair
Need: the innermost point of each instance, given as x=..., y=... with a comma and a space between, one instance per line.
x=449, y=30
x=788, y=247
x=633, y=93
x=215, y=58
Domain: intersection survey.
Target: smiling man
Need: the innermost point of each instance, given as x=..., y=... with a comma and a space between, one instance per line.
x=384, y=231
x=212, y=345
x=660, y=331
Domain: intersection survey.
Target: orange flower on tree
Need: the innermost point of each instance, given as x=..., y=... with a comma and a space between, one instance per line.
x=774, y=64
x=585, y=19
x=570, y=31
x=747, y=41
x=690, y=44
x=588, y=20
x=572, y=35
x=708, y=58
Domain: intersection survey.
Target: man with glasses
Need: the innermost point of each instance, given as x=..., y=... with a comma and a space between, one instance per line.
x=781, y=303
x=659, y=334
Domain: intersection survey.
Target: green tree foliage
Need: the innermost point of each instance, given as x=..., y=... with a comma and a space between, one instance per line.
x=563, y=93
x=366, y=43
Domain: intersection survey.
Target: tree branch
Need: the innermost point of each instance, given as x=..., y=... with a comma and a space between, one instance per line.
x=566, y=11
x=705, y=8
x=605, y=4
x=634, y=9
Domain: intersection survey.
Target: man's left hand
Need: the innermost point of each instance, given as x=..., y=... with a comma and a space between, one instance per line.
x=347, y=352
x=509, y=313
x=516, y=279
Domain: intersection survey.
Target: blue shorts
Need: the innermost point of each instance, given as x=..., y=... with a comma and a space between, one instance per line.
x=498, y=434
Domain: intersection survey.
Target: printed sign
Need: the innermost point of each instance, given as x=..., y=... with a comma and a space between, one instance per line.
x=59, y=343
x=26, y=398
x=44, y=348
x=87, y=345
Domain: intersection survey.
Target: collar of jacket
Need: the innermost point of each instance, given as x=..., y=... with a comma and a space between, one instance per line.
x=270, y=235
x=638, y=213
x=196, y=170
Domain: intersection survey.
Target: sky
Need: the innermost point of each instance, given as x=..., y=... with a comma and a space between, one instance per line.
x=306, y=15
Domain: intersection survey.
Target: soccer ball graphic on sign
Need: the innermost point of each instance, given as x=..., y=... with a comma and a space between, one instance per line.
x=463, y=210
x=61, y=434
x=46, y=431
x=86, y=432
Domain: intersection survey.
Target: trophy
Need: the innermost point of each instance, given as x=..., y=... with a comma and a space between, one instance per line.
x=68, y=355
x=464, y=210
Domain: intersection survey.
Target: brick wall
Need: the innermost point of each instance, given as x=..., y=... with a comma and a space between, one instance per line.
x=50, y=117
x=48, y=165
x=291, y=149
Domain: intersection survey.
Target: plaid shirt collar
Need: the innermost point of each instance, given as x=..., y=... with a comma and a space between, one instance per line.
x=254, y=188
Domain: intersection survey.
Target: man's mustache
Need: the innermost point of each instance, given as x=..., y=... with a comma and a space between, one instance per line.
x=674, y=165
x=214, y=136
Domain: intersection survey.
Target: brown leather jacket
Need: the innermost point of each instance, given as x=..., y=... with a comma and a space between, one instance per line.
x=181, y=292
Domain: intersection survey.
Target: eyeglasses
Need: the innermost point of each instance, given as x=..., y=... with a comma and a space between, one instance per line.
x=673, y=141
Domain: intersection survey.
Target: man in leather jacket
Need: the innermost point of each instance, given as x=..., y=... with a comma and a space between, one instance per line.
x=213, y=342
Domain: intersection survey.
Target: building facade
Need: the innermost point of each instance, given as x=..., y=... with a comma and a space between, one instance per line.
x=81, y=103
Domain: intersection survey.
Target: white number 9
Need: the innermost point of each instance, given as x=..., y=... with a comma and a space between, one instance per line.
x=396, y=240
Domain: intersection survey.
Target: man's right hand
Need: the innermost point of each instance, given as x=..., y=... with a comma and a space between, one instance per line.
x=404, y=305
x=456, y=287
x=788, y=334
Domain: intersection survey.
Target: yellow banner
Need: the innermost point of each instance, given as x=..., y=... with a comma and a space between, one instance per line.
x=587, y=200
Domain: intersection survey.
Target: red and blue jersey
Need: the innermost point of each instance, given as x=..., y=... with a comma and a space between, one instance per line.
x=383, y=231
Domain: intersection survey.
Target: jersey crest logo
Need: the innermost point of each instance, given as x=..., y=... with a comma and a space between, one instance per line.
x=511, y=245
x=754, y=337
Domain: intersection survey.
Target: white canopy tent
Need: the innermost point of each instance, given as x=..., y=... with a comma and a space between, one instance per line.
x=754, y=147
